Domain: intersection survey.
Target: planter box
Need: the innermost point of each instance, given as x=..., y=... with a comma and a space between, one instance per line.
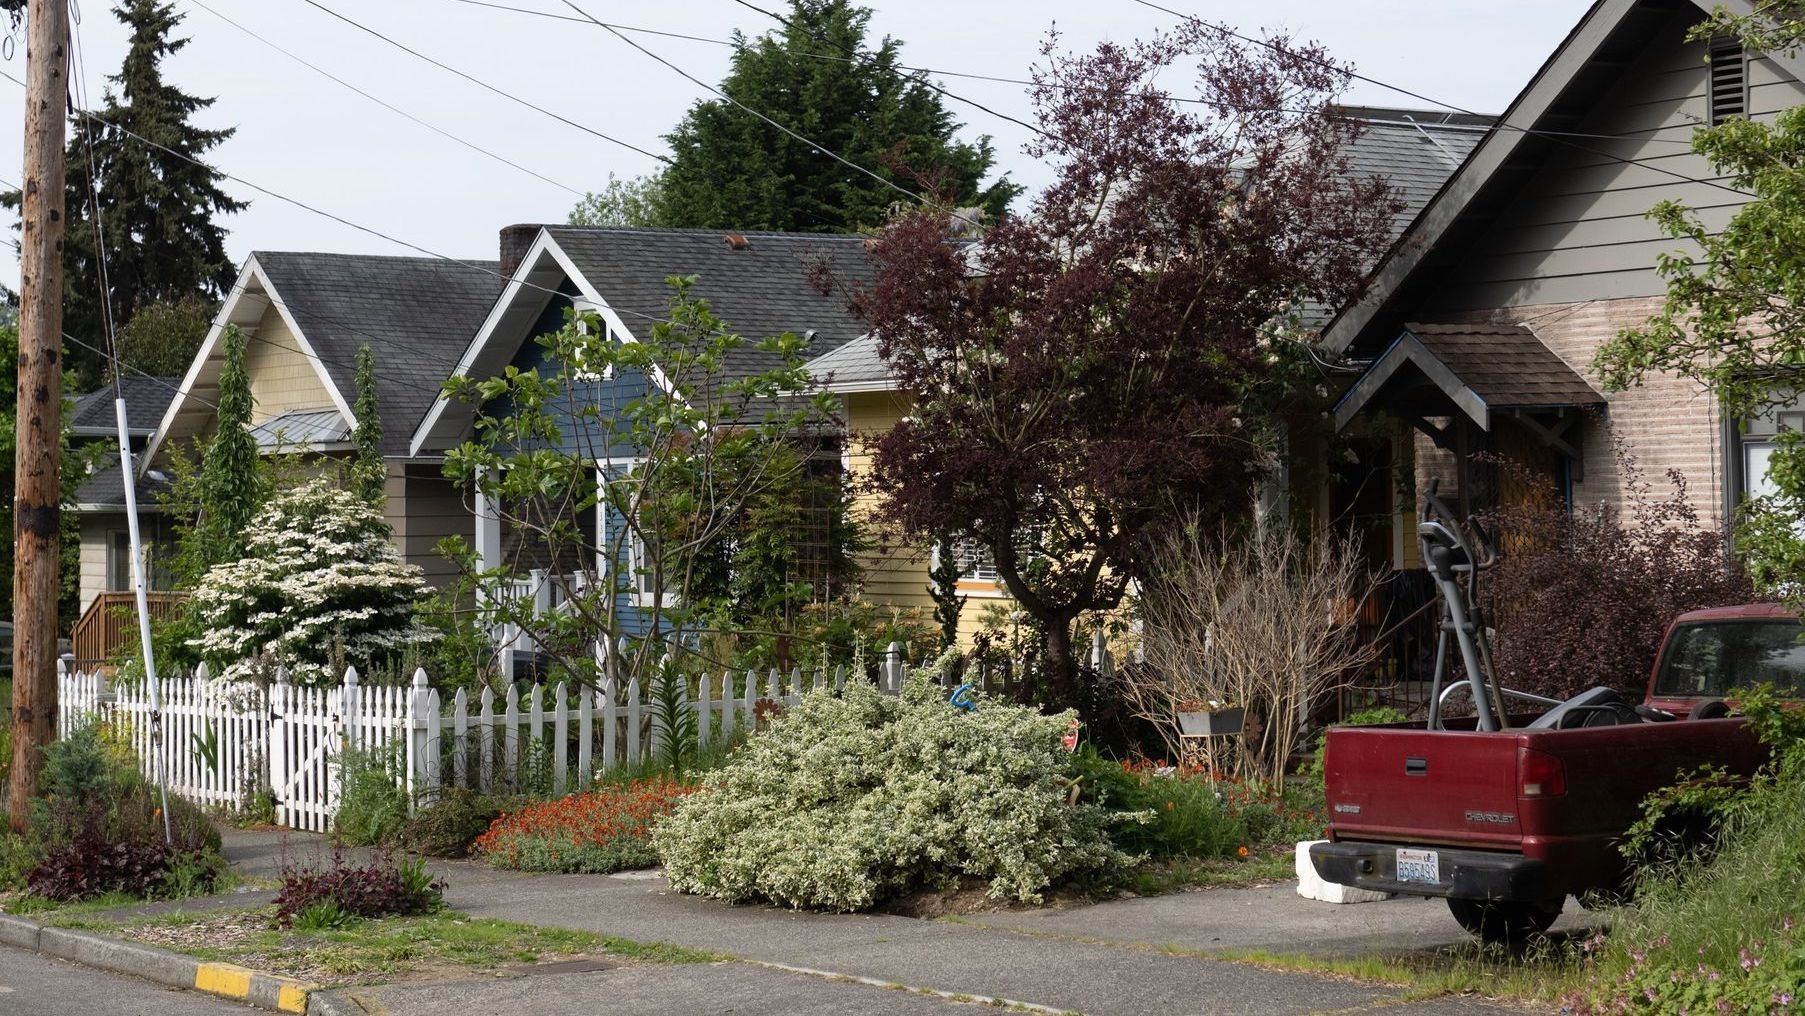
x=1212, y=723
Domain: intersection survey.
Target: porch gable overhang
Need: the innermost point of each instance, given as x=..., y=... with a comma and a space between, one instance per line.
x=1478, y=369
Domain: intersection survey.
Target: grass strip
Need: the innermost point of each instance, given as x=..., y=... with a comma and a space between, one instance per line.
x=361, y=951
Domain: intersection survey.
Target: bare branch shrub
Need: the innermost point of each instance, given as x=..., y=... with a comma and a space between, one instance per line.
x=1263, y=618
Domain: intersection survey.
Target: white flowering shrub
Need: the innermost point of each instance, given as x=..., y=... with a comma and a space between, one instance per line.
x=320, y=582
x=847, y=802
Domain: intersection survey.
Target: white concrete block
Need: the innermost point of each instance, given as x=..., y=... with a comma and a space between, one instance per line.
x=1311, y=886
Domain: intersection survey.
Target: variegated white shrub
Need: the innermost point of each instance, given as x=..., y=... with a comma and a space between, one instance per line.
x=847, y=802
x=320, y=582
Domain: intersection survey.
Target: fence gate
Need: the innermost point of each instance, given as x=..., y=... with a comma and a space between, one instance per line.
x=304, y=733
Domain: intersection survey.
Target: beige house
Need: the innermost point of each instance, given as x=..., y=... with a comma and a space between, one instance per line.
x=305, y=315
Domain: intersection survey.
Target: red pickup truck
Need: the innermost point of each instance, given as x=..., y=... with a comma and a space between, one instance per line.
x=1507, y=822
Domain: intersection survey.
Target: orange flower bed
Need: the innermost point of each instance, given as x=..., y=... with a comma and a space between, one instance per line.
x=604, y=830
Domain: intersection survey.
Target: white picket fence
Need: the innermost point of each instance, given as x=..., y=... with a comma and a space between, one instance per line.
x=221, y=743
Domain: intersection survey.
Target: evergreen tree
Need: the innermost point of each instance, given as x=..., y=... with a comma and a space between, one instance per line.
x=733, y=170
x=230, y=479
x=367, y=470
x=156, y=208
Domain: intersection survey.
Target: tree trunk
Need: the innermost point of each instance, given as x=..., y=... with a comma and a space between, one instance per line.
x=37, y=487
x=1062, y=666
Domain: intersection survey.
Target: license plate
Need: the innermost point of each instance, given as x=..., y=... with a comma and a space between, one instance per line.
x=1418, y=865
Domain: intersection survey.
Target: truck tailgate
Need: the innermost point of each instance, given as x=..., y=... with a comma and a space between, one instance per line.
x=1400, y=784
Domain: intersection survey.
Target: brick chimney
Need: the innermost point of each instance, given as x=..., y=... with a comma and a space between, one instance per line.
x=515, y=240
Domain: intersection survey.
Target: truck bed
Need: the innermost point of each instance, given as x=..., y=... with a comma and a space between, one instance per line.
x=1558, y=797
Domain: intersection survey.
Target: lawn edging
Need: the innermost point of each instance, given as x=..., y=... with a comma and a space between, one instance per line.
x=227, y=980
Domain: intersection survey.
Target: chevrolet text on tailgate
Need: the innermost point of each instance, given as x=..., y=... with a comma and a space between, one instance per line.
x=1506, y=815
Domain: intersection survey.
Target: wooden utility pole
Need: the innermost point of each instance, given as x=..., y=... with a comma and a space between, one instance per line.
x=37, y=488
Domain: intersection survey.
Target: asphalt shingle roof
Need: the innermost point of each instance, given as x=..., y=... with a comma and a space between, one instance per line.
x=852, y=367
x=103, y=491
x=767, y=287
x=1506, y=365
x=1415, y=157
x=416, y=314
x=146, y=399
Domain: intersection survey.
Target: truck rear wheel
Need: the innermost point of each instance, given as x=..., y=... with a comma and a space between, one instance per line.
x=1504, y=921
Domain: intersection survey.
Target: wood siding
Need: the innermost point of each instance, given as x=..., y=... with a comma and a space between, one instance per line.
x=1578, y=229
x=96, y=532
x=424, y=507
x=895, y=571
x=282, y=377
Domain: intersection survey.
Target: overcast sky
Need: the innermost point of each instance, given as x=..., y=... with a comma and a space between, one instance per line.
x=305, y=136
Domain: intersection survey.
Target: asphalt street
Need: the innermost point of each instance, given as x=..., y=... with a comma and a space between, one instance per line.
x=33, y=985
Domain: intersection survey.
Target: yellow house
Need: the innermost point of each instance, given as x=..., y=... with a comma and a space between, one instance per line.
x=896, y=571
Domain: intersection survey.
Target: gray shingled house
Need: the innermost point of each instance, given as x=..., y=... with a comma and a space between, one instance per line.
x=100, y=500
x=1477, y=335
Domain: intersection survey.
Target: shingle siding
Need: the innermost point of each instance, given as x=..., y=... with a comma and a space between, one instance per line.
x=282, y=377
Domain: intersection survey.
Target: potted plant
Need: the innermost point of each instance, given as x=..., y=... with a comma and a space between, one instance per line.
x=1200, y=718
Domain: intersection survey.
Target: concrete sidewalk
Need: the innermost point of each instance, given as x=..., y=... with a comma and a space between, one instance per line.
x=1107, y=958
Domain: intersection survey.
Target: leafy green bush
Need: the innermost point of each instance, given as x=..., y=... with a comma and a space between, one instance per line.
x=1170, y=814
x=18, y=855
x=98, y=827
x=451, y=822
x=847, y=802
x=372, y=808
x=91, y=787
x=1714, y=931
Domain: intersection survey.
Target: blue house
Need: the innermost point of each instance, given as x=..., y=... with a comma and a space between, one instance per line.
x=759, y=284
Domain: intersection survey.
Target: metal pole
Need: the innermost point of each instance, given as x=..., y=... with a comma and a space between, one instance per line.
x=37, y=482
x=140, y=585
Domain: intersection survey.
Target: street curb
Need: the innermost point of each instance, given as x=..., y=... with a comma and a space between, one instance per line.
x=267, y=991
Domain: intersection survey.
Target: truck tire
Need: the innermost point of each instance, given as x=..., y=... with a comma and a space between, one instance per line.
x=1506, y=922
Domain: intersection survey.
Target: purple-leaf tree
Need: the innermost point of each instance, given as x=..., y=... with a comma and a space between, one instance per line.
x=1100, y=364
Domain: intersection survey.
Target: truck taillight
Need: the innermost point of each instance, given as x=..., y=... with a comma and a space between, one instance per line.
x=1540, y=774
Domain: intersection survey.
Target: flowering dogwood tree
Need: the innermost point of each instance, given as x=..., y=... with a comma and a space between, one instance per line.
x=320, y=586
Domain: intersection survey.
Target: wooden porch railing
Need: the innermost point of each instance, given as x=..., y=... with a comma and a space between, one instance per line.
x=111, y=624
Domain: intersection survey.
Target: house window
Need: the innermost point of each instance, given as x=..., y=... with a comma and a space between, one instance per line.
x=119, y=561
x=976, y=563
x=1756, y=445
x=1729, y=80
x=157, y=550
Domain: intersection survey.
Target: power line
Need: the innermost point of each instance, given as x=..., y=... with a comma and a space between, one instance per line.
x=651, y=318
x=837, y=157
x=1337, y=68
x=146, y=375
x=484, y=84
x=1024, y=82
x=504, y=160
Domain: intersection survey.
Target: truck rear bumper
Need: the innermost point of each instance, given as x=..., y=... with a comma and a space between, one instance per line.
x=1465, y=874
